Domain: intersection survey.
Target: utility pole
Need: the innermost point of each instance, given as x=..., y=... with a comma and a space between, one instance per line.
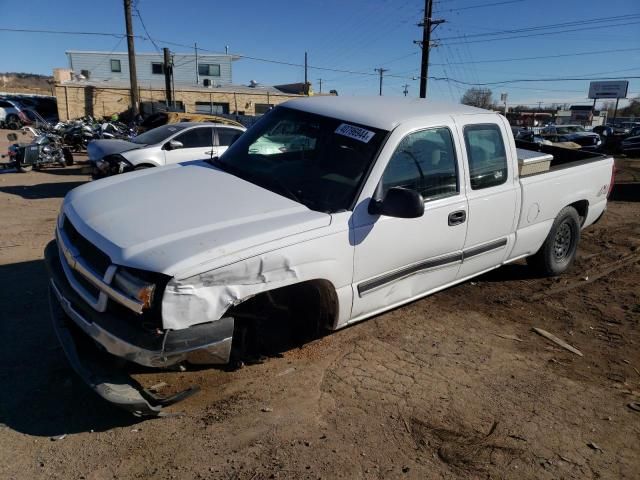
x=306, y=88
x=406, y=89
x=166, y=66
x=381, y=71
x=320, y=81
x=428, y=25
x=133, y=77
x=195, y=47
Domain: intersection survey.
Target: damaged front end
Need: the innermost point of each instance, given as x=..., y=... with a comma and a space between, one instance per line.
x=102, y=313
x=110, y=165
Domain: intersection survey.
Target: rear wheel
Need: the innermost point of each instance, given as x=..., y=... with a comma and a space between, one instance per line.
x=561, y=245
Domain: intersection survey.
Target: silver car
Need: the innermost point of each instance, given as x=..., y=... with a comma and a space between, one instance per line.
x=165, y=145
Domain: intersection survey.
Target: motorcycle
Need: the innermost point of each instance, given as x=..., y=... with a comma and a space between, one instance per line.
x=45, y=149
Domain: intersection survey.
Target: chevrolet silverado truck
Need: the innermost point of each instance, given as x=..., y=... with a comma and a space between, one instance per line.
x=379, y=202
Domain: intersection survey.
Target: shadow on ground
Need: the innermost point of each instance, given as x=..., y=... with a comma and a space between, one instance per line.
x=626, y=192
x=42, y=190
x=68, y=171
x=509, y=273
x=39, y=393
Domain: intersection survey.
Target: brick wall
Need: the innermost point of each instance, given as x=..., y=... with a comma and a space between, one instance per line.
x=76, y=101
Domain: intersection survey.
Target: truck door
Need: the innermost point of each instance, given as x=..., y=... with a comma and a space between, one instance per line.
x=399, y=259
x=492, y=193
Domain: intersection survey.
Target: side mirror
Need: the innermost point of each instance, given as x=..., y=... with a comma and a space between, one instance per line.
x=400, y=203
x=173, y=145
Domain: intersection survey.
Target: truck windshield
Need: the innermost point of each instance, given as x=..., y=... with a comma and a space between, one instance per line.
x=315, y=160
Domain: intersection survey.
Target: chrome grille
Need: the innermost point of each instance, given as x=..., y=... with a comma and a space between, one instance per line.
x=90, y=271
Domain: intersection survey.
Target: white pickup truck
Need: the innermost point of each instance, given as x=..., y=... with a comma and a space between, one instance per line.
x=365, y=204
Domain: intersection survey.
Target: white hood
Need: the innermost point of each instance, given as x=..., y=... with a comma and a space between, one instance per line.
x=175, y=218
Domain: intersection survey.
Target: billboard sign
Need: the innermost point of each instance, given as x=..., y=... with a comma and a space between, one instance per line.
x=610, y=89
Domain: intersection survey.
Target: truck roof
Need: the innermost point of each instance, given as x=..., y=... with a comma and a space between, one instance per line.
x=380, y=112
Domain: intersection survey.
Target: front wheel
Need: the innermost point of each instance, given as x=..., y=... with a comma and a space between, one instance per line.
x=561, y=245
x=68, y=157
x=13, y=122
x=23, y=168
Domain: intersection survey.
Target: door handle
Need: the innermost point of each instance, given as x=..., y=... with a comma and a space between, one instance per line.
x=456, y=218
x=210, y=152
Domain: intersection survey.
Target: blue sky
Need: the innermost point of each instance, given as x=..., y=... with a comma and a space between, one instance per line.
x=354, y=35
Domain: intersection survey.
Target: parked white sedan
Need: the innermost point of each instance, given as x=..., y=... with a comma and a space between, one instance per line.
x=165, y=145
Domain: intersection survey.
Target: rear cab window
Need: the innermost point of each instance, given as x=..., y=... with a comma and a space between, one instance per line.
x=486, y=155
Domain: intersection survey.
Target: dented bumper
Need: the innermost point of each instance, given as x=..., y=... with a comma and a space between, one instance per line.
x=92, y=340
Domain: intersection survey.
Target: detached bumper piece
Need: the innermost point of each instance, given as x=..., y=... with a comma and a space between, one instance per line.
x=98, y=371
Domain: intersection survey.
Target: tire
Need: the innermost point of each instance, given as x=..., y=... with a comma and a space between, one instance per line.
x=560, y=247
x=68, y=157
x=22, y=168
x=13, y=122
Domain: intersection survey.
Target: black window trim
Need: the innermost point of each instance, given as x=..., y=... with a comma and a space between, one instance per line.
x=473, y=126
x=119, y=70
x=455, y=155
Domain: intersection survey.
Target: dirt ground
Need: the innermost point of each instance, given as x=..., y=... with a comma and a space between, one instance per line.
x=453, y=386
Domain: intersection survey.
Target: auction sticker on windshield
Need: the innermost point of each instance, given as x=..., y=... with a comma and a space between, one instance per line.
x=356, y=133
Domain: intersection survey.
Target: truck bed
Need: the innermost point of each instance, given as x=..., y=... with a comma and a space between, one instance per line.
x=562, y=157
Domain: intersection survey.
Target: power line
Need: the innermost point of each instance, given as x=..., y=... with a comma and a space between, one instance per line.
x=144, y=27
x=354, y=72
x=587, y=21
x=61, y=32
x=542, y=33
x=480, y=6
x=517, y=59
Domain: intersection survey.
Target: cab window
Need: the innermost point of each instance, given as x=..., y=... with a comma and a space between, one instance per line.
x=424, y=161
x=486, y=155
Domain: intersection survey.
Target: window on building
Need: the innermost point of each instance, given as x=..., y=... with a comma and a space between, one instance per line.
x=115, y=66
x=262, y=108
x=209, y=69
x=487, y=157
x=226, y=136
x=85, y=73
x=424, y=161
x=212, y=108
x=196, y=137
x=157, y=68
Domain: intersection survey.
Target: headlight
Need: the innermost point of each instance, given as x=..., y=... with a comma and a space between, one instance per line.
x=102, y=165
x=134, y=287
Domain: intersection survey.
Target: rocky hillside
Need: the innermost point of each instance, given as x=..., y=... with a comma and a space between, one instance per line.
x=26, y=83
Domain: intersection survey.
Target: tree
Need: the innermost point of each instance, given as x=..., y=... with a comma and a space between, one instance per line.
x=478, y=97
x=633, y=109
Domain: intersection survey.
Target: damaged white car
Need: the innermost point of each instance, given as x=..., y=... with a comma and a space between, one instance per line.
x=366, y=204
